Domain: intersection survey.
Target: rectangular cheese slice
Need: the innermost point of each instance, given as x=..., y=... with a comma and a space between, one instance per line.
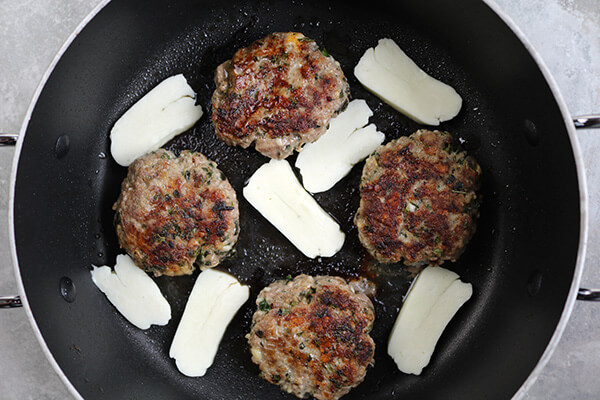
x=164, y=112
x=215, y=299
x=347, y=141
x=133, y=293
x=435, y=297
x=276, y=193
x=391, y=75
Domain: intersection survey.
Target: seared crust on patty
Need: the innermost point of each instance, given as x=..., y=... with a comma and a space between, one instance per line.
x=280, y=93
x=310, y=335
x=173, y=211
x=418, y=200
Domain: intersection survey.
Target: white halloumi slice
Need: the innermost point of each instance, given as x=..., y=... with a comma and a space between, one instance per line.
x=435, y=297
x=135, y=295
x=347, y=141
x=215, y=299
x=164, y=112
x=391, y=75
x=276, y=193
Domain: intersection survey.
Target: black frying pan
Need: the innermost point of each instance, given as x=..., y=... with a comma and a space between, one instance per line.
x=521, y=262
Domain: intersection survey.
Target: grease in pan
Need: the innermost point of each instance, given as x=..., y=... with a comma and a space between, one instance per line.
x=277, y=194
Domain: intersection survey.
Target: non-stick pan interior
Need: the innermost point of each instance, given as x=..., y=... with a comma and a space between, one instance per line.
x=520, y=262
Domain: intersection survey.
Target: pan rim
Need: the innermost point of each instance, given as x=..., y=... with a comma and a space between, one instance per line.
x=583, y=198
x=567, y=118
x=11, y=198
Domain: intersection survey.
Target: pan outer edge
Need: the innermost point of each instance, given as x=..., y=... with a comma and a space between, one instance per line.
x=583, y=199
x=11, y=198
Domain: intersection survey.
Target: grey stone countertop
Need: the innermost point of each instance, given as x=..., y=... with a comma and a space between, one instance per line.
x=565, y=32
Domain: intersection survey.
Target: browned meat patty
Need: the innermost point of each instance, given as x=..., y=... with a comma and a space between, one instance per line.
x=174, y=211
x=311, y=336
x=418, y=200
x=280, y=93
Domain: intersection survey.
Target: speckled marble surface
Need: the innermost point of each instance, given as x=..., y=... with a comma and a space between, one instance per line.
x=565, y=32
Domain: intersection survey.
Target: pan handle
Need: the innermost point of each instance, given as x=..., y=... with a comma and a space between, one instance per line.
x=588, y=294
x=10, y=301
x=586, y=122
x=8, y=139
